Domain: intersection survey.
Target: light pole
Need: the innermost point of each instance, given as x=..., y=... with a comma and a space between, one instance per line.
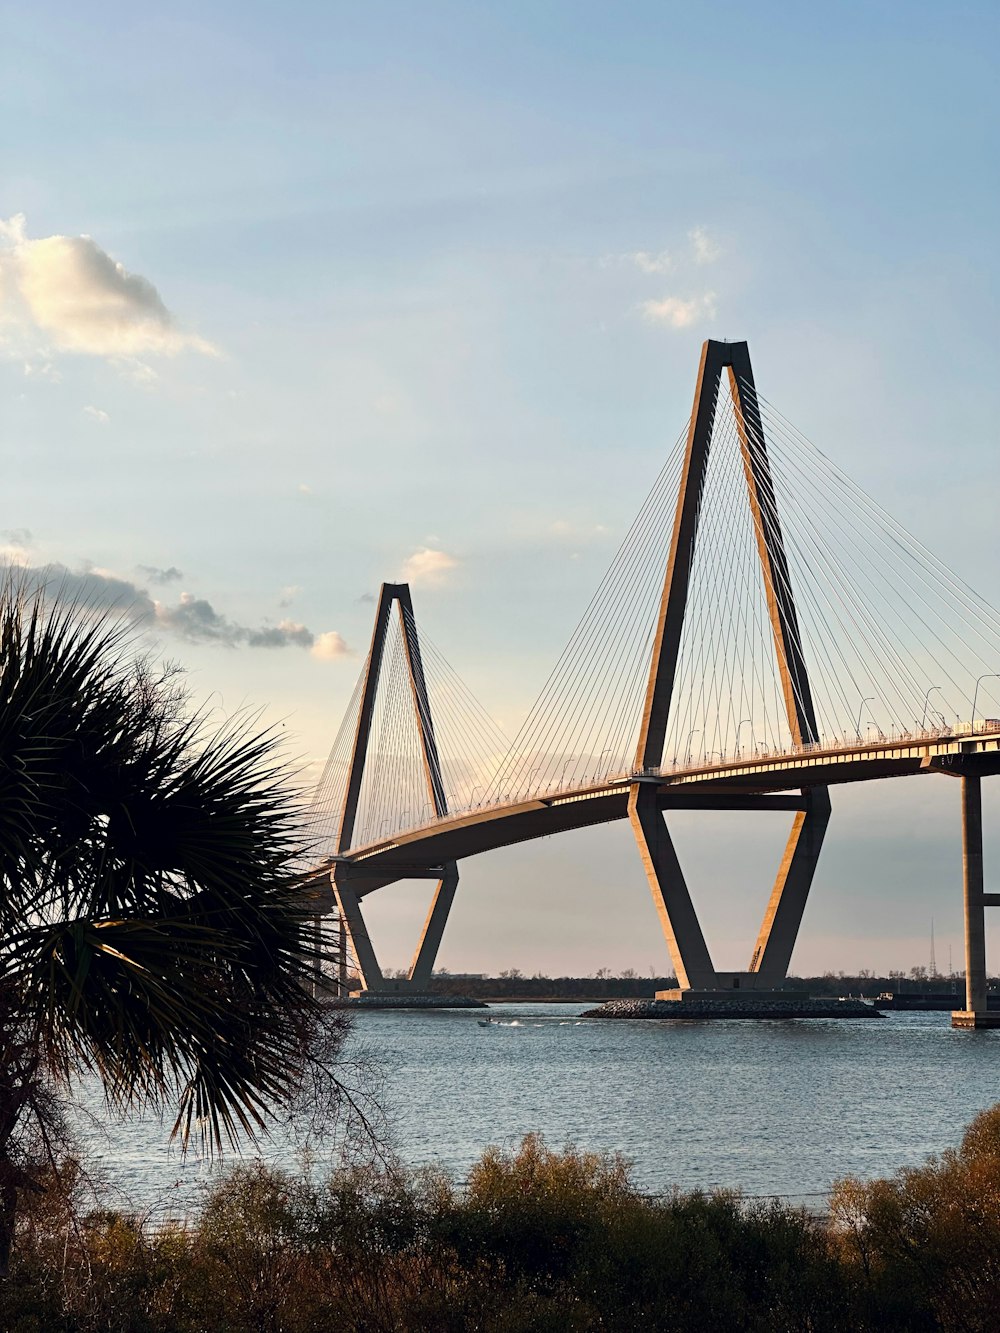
x=923, y=720
x=745, y=720
x=857, y=729
x=687, y=743
x=990, y=675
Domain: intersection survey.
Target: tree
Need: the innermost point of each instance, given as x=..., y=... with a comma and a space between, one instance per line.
x=153, y=925
x=928, y=1238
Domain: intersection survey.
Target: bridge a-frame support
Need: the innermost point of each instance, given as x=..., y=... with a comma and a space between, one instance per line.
x=776, y=940
x=348, y=880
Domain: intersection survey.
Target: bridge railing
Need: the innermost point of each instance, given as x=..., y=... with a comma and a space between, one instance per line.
x=744, y=756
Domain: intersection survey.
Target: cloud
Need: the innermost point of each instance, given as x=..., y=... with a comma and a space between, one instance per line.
x=156, y=575
x=193, y=619
x=329, y=646
x=680, y=313
x=97, y=414
x=288, y=595
x=39, y=370
x=427, y=566
x=646, y=262
x=14, y=545
x=70, y=292
x=706, y=251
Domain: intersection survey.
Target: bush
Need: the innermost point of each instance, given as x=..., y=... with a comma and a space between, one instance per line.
x=536, y=1241
x=927, y=1241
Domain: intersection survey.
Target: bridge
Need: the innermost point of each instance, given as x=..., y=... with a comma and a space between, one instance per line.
x=765, y=632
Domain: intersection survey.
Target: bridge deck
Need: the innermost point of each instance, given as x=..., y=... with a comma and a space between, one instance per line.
x=733, y=784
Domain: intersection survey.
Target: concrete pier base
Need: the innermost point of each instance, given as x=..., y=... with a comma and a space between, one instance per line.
x=699, y=1005
x=972, y=1018
x=746, y=999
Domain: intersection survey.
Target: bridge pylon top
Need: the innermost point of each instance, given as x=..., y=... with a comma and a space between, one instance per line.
x=733, y=357
x=391, y=594
x=725, y=349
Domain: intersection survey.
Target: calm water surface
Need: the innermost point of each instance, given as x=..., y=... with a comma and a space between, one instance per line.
x=768, y=1108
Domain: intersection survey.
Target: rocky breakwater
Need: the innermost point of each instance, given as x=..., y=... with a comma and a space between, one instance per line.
x=746, y=1006
x=390, y=1001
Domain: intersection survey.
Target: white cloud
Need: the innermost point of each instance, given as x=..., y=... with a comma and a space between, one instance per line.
x=705, y=249
x=136, y=371
x=70, y=293
x=97, y=414
x=646, y=262
x=329, y=645
x=40, y=370
x=680, y=313
x=427, y=566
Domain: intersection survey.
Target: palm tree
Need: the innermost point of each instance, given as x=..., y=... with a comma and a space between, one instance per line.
x=152, y=924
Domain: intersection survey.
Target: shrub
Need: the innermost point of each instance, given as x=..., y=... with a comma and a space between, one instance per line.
x=927, y=1241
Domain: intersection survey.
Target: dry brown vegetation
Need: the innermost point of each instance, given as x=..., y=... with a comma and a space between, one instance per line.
x=535, y=1240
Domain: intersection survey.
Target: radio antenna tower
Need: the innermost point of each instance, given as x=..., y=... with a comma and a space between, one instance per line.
x=933, y=967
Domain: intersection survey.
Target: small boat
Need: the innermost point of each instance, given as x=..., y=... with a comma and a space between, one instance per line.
x=485, y=1022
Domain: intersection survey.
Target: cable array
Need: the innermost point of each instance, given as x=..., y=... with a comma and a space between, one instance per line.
x=583, y=724
x=895, y=641
x=395, y=794
x=894, y=645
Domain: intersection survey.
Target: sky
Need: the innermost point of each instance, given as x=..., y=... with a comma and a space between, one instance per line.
x=297, y=299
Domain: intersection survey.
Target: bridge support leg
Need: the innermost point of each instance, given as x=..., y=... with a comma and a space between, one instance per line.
x=780, y=927
x=353, y=923
x=688, y=950
x=975, y=1014
x=340, y=956
x=437, y=918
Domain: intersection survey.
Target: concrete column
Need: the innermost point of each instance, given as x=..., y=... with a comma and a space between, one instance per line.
x=780, y=927
x=341, y=953
x=430, y=940
x=349, y=908
x=688, y=951
x=972, y=872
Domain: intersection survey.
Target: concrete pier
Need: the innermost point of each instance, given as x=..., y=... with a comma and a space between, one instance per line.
x=975, y=1014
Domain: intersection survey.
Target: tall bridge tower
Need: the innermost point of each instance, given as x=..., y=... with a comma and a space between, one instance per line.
x=779, y=930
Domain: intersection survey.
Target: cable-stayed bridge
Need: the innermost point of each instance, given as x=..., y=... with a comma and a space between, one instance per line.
x=766, y=631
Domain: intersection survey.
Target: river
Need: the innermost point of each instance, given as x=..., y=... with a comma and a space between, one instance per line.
x=782, y=1107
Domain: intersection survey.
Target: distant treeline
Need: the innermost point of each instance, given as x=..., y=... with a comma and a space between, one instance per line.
x=535, y=1241
x=512, y=985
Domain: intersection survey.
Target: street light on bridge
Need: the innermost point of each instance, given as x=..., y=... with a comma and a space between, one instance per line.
x=745, y=720
x=857, y=728
x=923, y=720
x=989, y=675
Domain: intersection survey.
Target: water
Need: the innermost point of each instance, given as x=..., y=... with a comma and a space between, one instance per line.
x=779, y=1108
